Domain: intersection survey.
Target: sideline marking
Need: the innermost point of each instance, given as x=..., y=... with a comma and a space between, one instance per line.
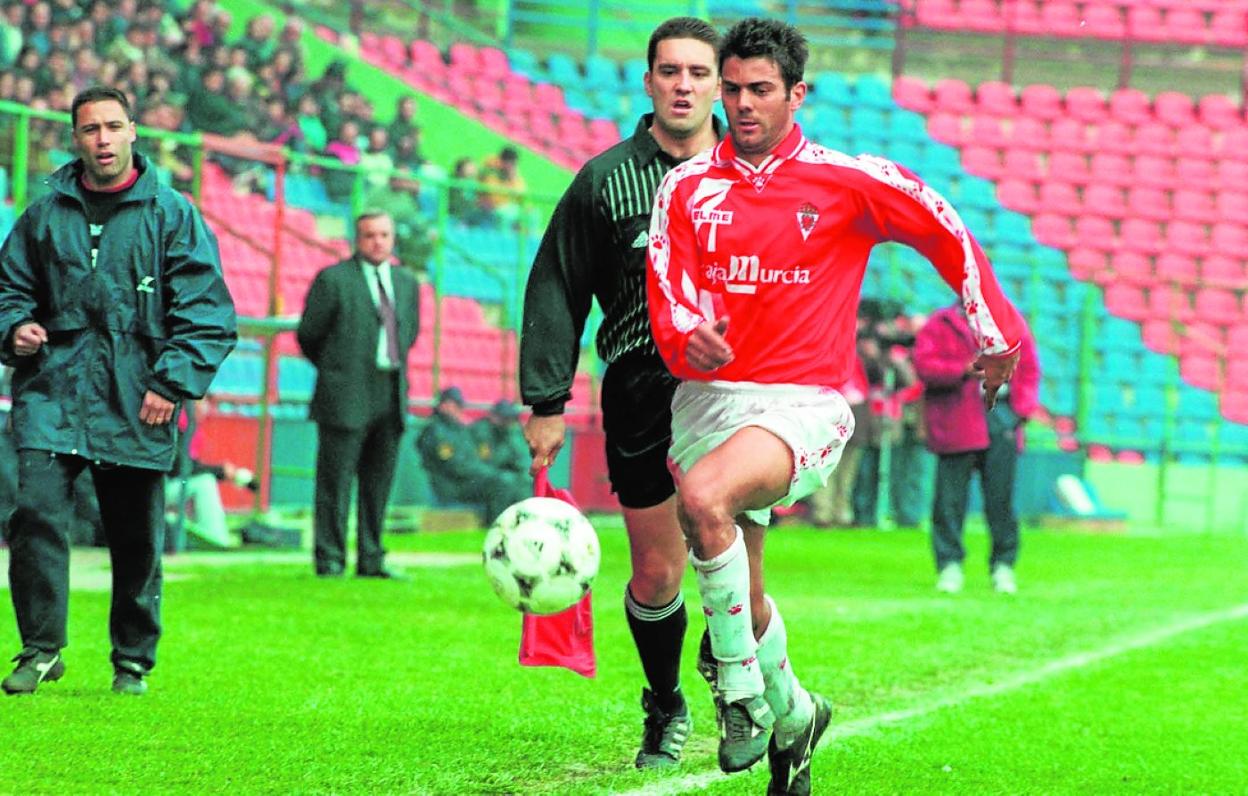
x=1079, y=660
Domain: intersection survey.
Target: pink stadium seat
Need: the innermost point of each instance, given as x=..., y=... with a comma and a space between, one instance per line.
x=1230, y=239
x=1103, y=21
x=1060, y=18
x=1023, y=18
x=1111, y=137
x=1160, y=336
x=1222, y=270
x=1041, y=101
x=1022, y=164
x=1144, y=24
x=1153, y=138
x=1177, y=269
x=938, y=14
x=1201, y=371
x=394, y=50
x=913, y=93
x=1186, y=24
x=983, y=16
x=1219, y=111
x=1169, y=303
x=1086, y=264
x=947, y=128
x=1140, y=235
x=988, y=130
x=1234, y=144
x=1059, y=197
x=1194, y=205
x=465, y=56
x=1112, y=169
x=1148, y=202
x=1195, y=142
x=1094, y=232
x=1153, y=172
x=494, y=63
x=1232, y=206
x=1086, y=104
x=1069, y=166
x=1100, y=453
x=1019, y=195
x=1028, y=133
x=1229, y=28
x=995, y=98
x=1235, y=405
x=1217, y=305
x=1203, y=338
x=982, y=161
x=1130, y=267
x=953, y=95
x=1194, y=171
x=1237, y=342
x=1231, y=177
x=1126, y=301
x=1174, y=108
x=1054, y=230
x=1130, y=105
x=1069, y=135
x=426, y=54
x=1104, y=200
x=1188, y=238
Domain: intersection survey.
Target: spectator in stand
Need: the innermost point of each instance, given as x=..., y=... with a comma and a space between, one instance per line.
x=276, y=127
x=376, y=158
x=500, y=441
x=966, y=438
x=86, y=69
x=11, y=36
x=409, y=163
x=502, y=171
x=210, y=111
x=404, y=123
x=345, y=147
x=461, y=201
x=198, y=27
x=37, y=29
x=312, y=133
x=258, y=45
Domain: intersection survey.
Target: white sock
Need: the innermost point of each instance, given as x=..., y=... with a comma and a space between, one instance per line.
x=788, y=700
x=724, y=583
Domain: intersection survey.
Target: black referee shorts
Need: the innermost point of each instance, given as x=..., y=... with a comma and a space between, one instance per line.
x=637, y=418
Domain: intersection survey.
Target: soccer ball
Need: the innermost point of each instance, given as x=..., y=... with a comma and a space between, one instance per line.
x=541, y=555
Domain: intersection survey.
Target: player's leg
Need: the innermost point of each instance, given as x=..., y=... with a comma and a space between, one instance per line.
x=638, y=438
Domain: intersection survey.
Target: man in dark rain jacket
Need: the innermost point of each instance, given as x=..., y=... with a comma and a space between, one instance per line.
x=113, y=311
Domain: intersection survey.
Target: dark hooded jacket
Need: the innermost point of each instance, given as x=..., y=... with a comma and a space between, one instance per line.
x=148, y=311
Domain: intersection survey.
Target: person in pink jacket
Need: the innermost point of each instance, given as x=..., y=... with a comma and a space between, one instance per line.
x=966, y=438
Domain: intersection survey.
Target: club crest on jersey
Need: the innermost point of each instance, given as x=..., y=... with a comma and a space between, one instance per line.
x=807, y=217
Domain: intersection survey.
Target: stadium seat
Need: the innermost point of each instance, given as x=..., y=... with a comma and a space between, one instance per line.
x=1229, y=28
x=1144, y=23
x=996, y=98
x=988, y=130
x=1186, y=237
x=1069, y=135
x=1234, y=144
x=947, y=128
x=1061, y=18
x=1194, y=205
x=953, y=96
x=1176, y=269
x=1104, y=200
x=1086, y=104
x=1169, y=303
x=1071, y=167
x=1229, y=238
x=1028, y=133
x=1194, y=142
x=1153, y=138
x=1103, y=22
x=982, y=161
x=1221, y=270
x=1054, y=230
x=913, y=94
x=1111, y=169
x=1018, y=195
x=1174, y=109
x=1217, y=305
x=1130, y=106
x=1185, y=24
x=1127, y=301
x=873, y=92
x=1148, y=203
x=1087, y=264
x=1219, y=112
x=1022, y=164
x=1041, y=101
x=1128, y=267
x=1140, y=235
x=1194, y=171
x=1200, y=371
x=1160, y=336
x=1232, y=206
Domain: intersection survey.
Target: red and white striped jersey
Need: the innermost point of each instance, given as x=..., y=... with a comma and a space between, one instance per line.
x=781, y=249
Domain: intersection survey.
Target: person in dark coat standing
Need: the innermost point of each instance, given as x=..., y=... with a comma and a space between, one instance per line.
x=360, y=320
x=113, y=312
x=966, y=437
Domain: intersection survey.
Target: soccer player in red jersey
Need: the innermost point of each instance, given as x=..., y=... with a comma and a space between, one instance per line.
x=756, y=258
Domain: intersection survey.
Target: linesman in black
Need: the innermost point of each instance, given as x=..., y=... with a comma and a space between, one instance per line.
x=595, y=247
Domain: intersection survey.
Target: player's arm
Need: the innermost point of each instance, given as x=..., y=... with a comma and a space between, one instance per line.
x=682, y=318
x=900, y=207
x=557, y=299
x=1025, y=384
x=20, y=335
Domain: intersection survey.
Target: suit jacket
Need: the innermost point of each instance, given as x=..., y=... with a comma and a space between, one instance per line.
x=338, y=334
x=953, y=402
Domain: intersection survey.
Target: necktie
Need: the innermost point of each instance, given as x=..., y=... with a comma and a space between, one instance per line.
x=389, y=324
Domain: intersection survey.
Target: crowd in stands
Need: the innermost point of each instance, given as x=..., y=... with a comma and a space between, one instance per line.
x=183, y=72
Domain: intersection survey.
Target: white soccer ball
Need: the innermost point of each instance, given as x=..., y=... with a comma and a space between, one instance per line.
x=541, y=555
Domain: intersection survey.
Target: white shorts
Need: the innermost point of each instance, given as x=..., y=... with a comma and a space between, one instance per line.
x=815, y=422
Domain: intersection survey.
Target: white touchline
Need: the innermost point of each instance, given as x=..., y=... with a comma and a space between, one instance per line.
x=695, y=782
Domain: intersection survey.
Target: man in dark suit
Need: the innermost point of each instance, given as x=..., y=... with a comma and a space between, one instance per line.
x=360, y=319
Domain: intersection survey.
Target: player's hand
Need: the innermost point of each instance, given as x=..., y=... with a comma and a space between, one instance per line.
x=545, y=435
x=156, y=410
x=29, y=338
x=707, y=348
x=997, y=370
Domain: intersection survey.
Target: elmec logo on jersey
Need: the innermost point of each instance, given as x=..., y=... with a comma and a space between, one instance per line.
x=807, y=217
x=704, y=216
x=744, y=274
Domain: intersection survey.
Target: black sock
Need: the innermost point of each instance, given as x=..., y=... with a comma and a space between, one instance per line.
x=659, y=634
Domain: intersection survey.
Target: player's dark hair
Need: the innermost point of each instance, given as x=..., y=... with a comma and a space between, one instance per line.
x=98, y=94
x=767, y=38
x=681, y=28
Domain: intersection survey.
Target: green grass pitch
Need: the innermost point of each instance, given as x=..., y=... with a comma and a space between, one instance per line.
x=1118, y=668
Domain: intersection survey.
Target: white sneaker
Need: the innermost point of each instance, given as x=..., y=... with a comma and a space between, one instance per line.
x=1003, y=579
x=950, y=579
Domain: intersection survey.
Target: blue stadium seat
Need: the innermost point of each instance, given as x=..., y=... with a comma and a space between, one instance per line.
x=526, y=63
x=873, y=92
x=602, y=74
x=563, y=70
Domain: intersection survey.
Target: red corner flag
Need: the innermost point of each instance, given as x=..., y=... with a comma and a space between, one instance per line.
x=564, y=639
